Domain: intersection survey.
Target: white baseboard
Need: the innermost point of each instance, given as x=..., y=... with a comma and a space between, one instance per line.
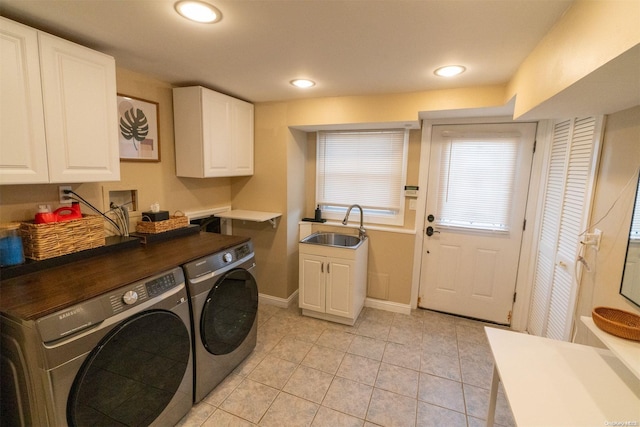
x=279, y=302
x=395, y=307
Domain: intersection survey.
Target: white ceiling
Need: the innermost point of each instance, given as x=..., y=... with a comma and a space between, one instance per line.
x=349, y=47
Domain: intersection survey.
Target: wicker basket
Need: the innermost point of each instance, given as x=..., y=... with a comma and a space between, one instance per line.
x=620, y=323
x=154, y=227
x=43, y=241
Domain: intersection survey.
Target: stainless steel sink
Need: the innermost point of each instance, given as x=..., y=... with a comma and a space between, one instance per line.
x=333, y=239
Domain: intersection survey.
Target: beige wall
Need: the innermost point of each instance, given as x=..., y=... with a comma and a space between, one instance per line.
x=590, y=34
x=284, y=181
x=390, y=253
x=617, y=177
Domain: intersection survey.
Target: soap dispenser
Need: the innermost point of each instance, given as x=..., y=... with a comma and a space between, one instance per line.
x=318, y=214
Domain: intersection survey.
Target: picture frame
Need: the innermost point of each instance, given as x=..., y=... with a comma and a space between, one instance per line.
x=138, y=131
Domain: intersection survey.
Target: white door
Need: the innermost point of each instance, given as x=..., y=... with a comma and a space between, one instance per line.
x=339, y=287
x=242, y=125
x=312, y=283
x=476, y=202
x=569, y=187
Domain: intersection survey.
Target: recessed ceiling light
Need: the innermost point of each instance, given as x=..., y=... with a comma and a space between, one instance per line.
x=449, y=71
x=198, y=11
x=302, y=83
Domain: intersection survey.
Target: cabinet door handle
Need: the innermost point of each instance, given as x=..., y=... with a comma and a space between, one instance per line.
x=328, y=267
x=322, y=267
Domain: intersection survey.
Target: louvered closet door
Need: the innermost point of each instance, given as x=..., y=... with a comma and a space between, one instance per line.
x=567, y=203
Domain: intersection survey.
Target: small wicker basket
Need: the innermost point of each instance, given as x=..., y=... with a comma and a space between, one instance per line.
x=48, y=240
x=620, y=323
x=153, y=227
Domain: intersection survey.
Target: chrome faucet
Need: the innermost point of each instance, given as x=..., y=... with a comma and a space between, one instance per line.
x=362, y=233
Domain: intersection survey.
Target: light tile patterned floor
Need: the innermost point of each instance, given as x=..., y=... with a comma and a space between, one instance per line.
x=423, y=369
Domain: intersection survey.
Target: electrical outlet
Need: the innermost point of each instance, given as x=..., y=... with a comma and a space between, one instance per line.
x=598, y=237
x=593, y=239
x=64, y=198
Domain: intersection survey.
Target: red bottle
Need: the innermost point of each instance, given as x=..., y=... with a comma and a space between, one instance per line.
x=65, y=213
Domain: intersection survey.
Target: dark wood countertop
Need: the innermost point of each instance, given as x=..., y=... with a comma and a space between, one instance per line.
x=34, y=295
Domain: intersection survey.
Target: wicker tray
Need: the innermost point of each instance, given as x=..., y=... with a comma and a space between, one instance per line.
x=151, y=227
x=43, y=241
x=620, y=323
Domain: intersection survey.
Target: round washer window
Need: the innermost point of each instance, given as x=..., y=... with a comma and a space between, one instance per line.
x=229, y=312
x=133, y=373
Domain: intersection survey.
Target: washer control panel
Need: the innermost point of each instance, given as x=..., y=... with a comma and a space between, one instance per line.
x=243, y=250
x=90, y=313
x=218, y=261
x=161, y=284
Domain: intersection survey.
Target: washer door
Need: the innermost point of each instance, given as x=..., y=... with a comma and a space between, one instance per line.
x=229, y=312
x=133, y=373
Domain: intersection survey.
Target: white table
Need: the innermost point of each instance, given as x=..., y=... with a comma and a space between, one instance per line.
x=556, y=383
x=628, y=351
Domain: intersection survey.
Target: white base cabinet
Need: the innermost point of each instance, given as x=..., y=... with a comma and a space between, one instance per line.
x=333, y=282
x=58, y=121
x=213, y=134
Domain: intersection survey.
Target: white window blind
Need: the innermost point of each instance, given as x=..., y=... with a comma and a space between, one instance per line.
x=367, y=168
x=478, y=178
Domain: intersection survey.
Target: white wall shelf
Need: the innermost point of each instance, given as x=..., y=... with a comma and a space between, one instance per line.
x=254, y=216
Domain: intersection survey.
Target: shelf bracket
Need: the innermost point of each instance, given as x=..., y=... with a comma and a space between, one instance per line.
x=273, y=222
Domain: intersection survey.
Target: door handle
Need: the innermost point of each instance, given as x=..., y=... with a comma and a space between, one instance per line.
x=431, y=230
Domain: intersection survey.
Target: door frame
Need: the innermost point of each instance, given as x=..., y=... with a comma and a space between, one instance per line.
x=529, y=244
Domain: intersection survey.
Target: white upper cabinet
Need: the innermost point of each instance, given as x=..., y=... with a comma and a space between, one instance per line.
x=23, y=150
x=59, y=117
x=213, y=134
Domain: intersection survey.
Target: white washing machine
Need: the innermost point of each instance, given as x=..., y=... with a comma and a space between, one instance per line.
x=224, y=304
x=120, y=359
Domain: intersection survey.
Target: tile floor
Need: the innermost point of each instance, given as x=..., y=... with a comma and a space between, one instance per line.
x=423, y=369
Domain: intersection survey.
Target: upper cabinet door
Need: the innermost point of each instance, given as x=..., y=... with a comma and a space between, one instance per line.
x=242, y=119
x=79, y=93
x=216, y=134
x=23, y=150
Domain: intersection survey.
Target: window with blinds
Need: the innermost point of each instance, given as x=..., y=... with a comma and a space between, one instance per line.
x=367, y=168
x=477, y=176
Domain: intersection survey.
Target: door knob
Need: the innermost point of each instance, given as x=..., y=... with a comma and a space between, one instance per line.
x=430, y=231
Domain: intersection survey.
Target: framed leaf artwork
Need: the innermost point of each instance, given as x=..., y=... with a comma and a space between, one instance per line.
x=138, y=129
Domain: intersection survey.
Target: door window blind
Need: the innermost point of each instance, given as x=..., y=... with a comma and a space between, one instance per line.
x=367, y=168
x=477, y=178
